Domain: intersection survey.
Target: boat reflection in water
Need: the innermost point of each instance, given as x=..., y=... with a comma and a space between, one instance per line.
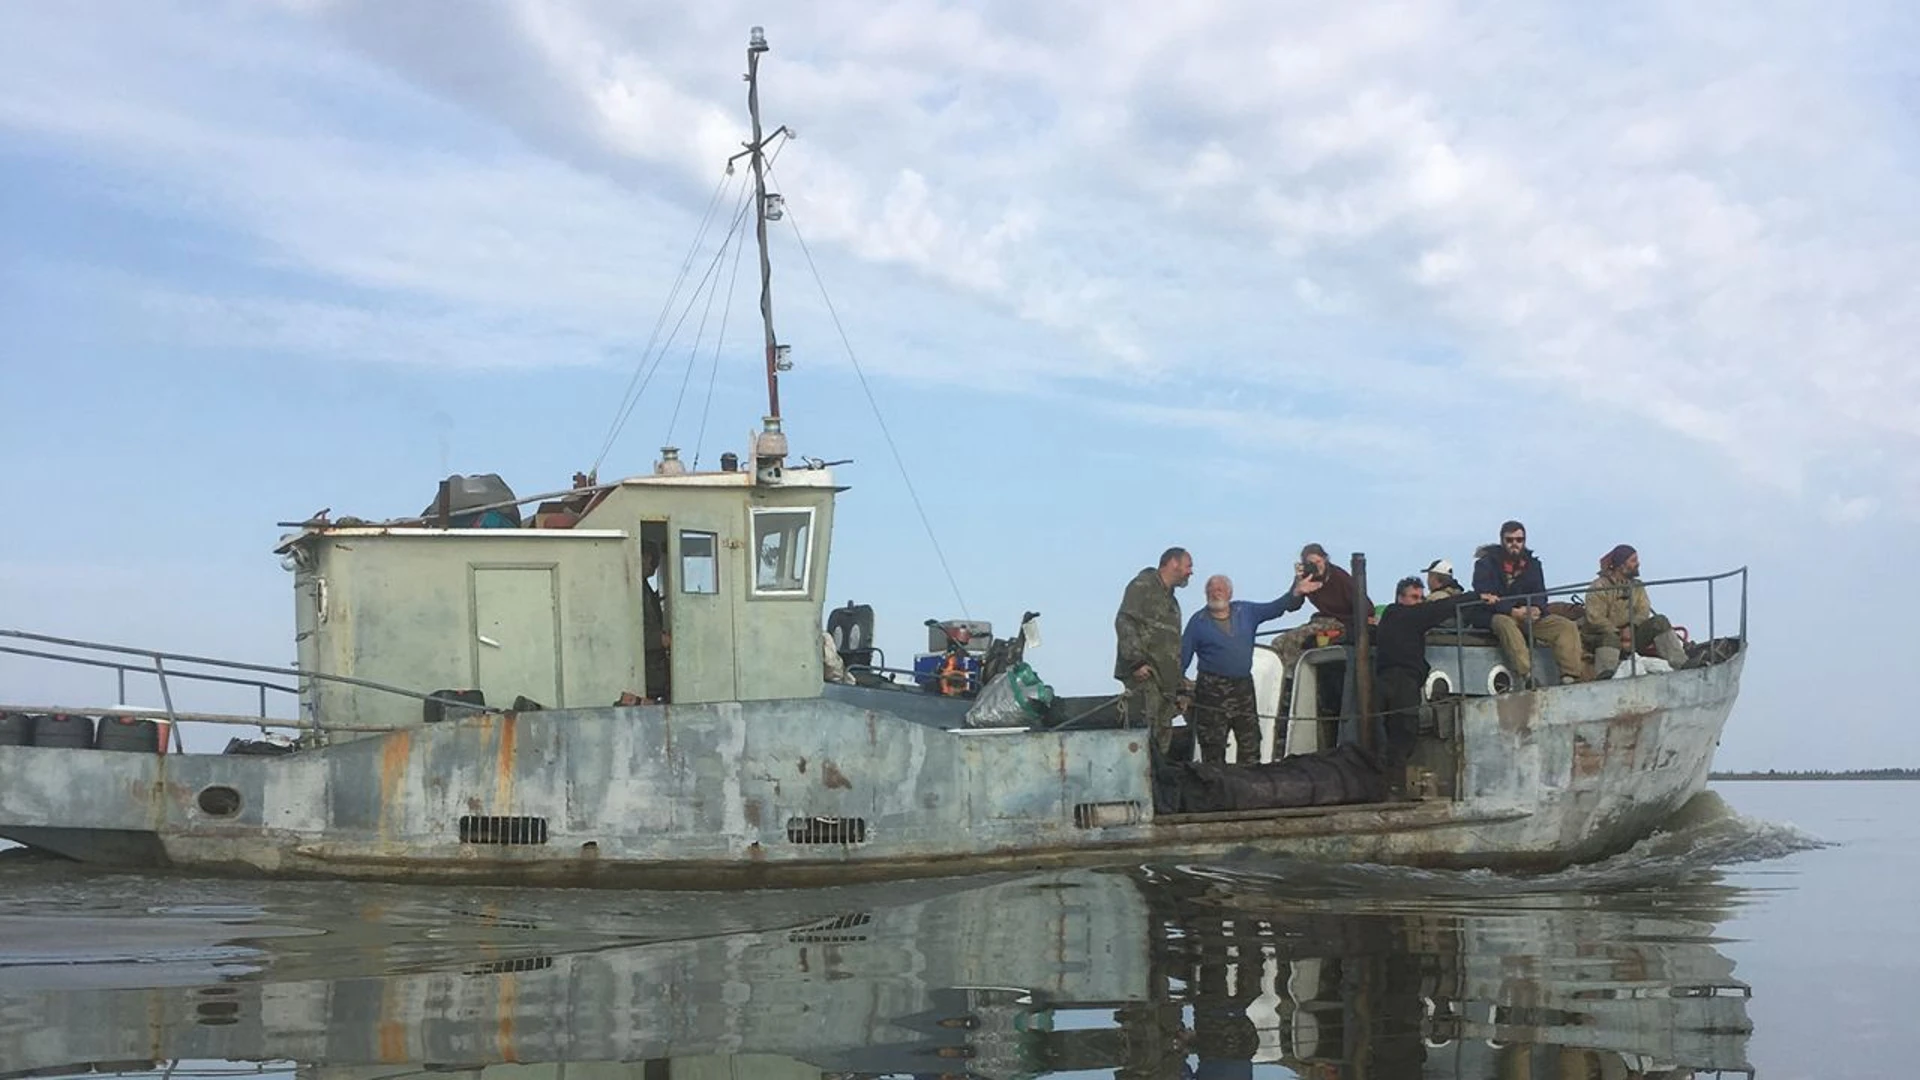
x=1152, y=973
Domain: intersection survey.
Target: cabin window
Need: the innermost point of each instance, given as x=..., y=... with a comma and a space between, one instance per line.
x=782, y=542
x=699, y=563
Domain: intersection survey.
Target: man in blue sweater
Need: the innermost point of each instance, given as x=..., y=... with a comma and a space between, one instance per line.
x=1221, y=635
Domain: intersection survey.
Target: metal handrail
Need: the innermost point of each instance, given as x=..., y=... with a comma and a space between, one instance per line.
x=1570, y=590
x=181, y=716
x=124, y=668
x=1710, y=580
x=160, y=671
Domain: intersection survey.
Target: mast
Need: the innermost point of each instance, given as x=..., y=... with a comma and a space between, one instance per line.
x=757, y=44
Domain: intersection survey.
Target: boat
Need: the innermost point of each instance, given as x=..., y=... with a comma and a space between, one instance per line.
x=482, y=698
x=1072, y=972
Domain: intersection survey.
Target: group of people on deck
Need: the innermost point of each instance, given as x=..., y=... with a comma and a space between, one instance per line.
x=1508, y=598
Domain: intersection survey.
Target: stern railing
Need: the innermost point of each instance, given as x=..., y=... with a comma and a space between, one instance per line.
x=108, y=656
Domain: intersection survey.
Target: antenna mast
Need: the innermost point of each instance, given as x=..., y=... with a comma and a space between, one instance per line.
x=757, y=44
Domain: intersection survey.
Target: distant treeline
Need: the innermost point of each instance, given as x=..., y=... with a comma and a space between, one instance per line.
x=1822, y=774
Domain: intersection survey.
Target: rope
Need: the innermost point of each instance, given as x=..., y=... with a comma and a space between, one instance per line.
x=873, y=403
x=1071, y=721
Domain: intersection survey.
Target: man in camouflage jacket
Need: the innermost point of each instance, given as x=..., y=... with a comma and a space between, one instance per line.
x=1147, y=660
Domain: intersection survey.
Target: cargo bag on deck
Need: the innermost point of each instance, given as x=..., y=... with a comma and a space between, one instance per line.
x=1345, y=774
x=1015, y=698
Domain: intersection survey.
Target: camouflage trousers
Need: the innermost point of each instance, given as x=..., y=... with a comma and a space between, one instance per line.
x=1149, y=705
x=1222, y=706
x=1293, y=642
x=1656, y=633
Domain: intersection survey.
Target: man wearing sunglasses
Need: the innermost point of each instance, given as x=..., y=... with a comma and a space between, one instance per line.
x=1512, y=572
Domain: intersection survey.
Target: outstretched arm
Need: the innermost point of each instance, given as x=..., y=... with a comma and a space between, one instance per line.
x=1436, y=613
x=1486, y=579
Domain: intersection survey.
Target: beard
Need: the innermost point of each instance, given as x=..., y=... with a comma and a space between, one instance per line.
x=1219, y=607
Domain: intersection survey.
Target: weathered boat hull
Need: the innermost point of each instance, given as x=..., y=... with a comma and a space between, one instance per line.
x=821, y=791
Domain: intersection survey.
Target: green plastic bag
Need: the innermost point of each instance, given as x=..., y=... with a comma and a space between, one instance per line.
x=1015, y=698
x=1034, y=697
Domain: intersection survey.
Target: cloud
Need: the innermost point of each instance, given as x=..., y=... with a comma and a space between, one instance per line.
x=1681, y=223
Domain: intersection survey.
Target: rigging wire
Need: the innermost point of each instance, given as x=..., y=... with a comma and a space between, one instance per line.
x=686, y=266
x=874, y=404
x=643, y=371
x=713, y=369
x=659, y=355
x=734, y=236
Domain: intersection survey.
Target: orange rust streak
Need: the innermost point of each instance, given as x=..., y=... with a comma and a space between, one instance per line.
x=503, y=775
x=509, y=1000
x=391, y=1033
x=1587, y=761
x=394, y=756
x=393, y=1042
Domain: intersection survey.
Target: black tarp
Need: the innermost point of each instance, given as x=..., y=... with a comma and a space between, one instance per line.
x=1345, y=774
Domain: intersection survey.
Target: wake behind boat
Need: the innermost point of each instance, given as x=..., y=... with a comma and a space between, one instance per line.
x=482, y=698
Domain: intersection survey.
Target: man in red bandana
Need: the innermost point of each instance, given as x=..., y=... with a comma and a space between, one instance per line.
x=1620, y=618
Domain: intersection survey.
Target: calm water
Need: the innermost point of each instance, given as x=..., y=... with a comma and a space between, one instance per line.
x=1734, y=942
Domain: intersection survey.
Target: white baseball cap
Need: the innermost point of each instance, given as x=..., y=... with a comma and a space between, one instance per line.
x=1440, y=566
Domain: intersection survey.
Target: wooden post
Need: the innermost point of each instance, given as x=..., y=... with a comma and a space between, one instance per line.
x=1362, y=652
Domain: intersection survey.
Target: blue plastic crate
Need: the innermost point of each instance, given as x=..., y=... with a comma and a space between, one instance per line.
x=926, y=670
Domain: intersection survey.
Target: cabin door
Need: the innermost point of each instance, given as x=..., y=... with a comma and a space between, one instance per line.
x=704, y=593
x=516, y=634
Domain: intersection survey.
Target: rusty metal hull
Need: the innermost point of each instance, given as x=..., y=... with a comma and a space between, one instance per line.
x=752, y=794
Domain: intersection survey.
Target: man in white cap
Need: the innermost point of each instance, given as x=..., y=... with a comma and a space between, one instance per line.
x=1440, y=580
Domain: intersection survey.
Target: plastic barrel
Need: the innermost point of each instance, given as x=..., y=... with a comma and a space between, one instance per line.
x=16, y=729
x=128, y=733
x=70, y=730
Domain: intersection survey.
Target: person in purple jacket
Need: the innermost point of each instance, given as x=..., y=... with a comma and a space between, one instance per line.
x=1221, y=636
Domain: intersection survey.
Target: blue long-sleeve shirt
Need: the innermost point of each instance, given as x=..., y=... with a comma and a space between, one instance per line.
x=1228, y=649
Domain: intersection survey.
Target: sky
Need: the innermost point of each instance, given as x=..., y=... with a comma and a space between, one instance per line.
x=1116, y=276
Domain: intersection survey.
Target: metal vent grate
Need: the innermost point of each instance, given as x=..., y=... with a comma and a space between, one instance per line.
x=827, y=830
x=494, y=829
x=1101, y=815
x=511, y=967
x=840, y=930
